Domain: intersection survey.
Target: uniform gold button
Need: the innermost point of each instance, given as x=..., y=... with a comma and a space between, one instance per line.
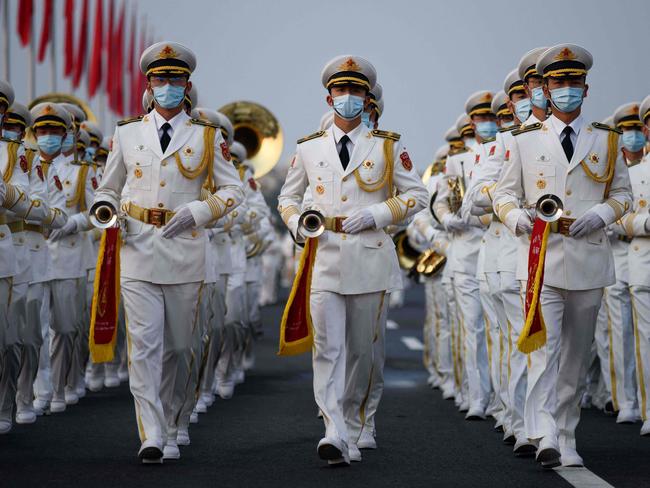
x=636, y=248
x=497, y=232
x=137, y=163
x=194, y=233
x=2, y=235
x=72, y=243
x=163, y=163
x=568, y=192
x=38, y=246
x=21, y=240
x=344, y=237
x=161, y=205
x=567, y=212
x=380, y=244
x=319, y=178
x=344, y=198
x=345, y=178
x=162, y=183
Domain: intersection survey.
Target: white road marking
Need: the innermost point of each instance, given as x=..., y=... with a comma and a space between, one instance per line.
x=582, y=478
x=413, y=343
x=392, y=325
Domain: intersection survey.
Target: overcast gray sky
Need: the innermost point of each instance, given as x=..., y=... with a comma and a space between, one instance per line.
x=429, y=55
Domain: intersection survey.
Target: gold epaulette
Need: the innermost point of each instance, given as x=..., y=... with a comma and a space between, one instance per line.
x=315, y=135
x=508, y=129
x=120, y=123
x=4, y=139
x=460, y=150
x=487, y=141
x=386, y=134
x=527, y=128
x=599, y=125
x=203, y=122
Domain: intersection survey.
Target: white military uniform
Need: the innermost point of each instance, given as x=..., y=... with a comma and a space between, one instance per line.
x=161, y=278
x=576, y=269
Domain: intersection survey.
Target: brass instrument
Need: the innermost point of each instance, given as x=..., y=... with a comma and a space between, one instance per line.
x=430, y=263
x=549, y=208
x=407, y=256
x=259, y=131
x=102, y=215
x=432, y=202
x=311, y=223
x=456, y=191
x=65, y=98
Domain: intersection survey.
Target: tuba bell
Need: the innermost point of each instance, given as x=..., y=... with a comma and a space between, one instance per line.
x=407, y=256
x=549, y=208
x=259, y=131
x=102, y=215
x=311, y=223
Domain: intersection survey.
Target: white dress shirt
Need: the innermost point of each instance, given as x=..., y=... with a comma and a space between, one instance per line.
x=558, y=127
x=353, y=135
x=175, y=121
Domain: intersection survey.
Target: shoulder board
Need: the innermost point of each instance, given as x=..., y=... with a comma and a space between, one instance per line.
x=11, y=141
x=128, y=121
x=315, y=135
x=487, y=141
x=527, y=128
x=598, y=125
x=204, y=123
x=460, y=150
x=508, y=129
x=386, y=134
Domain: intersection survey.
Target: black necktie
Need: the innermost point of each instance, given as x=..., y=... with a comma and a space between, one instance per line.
x=165, y=138
x=567, y=145
x=344, y=155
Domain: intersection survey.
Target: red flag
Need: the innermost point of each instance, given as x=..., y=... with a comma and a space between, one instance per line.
x=95, y=70
x=25, y=14
x=69, y=37
x=118, y=43
x=82, y=47
x=46, y=31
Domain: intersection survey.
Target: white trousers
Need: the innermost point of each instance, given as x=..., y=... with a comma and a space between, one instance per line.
x=10, y=364
x=475, y=346
x=556, y=373
x=160, y=321
x=497, y=324
x=43, y=384
x=641, y=314
x=517, y=364
x=215, y=316
x=233, y=336
x=31, y=341
x=441, y=331
x=620, y=360
x=378, y=361
x=344, y=329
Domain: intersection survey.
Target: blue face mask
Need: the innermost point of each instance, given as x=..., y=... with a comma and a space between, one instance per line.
x=508, y=124
x=348, y=107
x=49, y=143
x=487, y=129
x=90, y=153
x=68, y=143
x=169, y=96
x=365, y=119
x=633, y=140
x=11, y=134
x=538, y=99
x=523, y=109
x=567, y=99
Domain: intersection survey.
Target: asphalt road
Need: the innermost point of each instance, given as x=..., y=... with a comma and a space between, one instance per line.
x=267, y=435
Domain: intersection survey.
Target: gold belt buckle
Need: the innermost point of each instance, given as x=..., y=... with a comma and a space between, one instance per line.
x=338, y=224
x=156, y=217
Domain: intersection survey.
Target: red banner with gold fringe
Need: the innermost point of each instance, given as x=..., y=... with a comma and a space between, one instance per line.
x=106, y=298
x=533, y=335
x=296, y=334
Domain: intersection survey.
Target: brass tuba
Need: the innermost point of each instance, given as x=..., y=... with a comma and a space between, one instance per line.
x=407, y=256
x=430, y=263
x=259, y=131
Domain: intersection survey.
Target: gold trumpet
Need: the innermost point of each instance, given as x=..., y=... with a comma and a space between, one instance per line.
x=549, y=208
x=259, y=131
x=311, y=223
x=102, y=215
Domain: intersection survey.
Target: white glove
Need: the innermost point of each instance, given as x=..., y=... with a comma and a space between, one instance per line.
x=180, y=222
x=69, y=228
x=453, y=223
x=358, y=221
x=477, y=211
x=588, y=223
x=524, y=224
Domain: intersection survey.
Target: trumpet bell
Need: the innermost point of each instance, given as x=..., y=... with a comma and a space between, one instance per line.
x=259, y=131
x=102, y=215
x=311, y=223
x=549, y=208
x=407, y=256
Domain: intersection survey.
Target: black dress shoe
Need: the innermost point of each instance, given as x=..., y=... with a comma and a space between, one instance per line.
x=151, y=455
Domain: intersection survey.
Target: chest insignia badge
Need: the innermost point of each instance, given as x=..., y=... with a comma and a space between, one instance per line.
x=320, y=189
x=593, y=157
x=643, y=203
x=541, y=184
x=188, y=151
x=138, y=173
x=367, y=164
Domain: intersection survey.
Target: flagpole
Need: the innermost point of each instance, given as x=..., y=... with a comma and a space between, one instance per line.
x=5, y=41
x=53, y=57
x=31, y=63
